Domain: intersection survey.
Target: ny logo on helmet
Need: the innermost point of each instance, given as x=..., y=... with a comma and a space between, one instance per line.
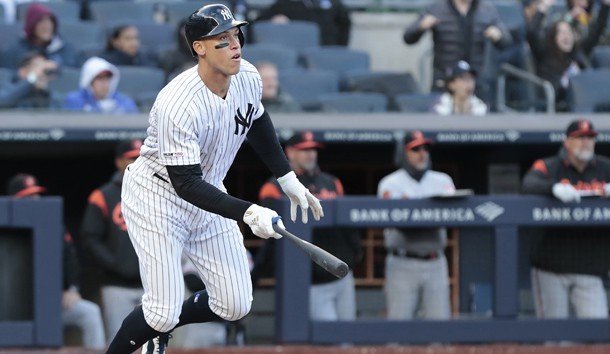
x=226, y=14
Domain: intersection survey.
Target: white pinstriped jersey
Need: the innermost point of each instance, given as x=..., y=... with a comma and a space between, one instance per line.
x=189, y=124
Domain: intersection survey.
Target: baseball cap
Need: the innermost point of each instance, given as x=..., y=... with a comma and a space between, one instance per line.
x=303, y=140
x=581, y=127
x=414, y=139
x=23, y=185
x=129, y=149
x=461, y=67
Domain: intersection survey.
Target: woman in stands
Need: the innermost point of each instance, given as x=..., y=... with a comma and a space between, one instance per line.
x=40, y=34
x=124, y=48
x=558, y=53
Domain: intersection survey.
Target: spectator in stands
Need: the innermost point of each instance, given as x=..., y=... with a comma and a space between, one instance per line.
x=106, y=242
x=41, y=35
x=177, y=60
x=33, y=75
x=459, y=97
x=331, y=299
x=416, y=269
x=274, y=99
x=460, y=31
x=570, y=263
x=123, y=48
x=29, y=87
x=557, y=53
x=98, y=93
x=76, y=311
x=332, y=17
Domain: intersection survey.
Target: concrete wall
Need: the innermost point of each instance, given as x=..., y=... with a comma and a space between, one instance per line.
x=380, y=35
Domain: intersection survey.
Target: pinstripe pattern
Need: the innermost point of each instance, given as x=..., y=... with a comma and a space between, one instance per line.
x=190, y=125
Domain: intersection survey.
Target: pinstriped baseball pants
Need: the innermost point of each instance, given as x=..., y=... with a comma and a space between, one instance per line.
x=162, y=226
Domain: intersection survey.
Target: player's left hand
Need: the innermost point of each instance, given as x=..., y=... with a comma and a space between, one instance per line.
x=300, y=196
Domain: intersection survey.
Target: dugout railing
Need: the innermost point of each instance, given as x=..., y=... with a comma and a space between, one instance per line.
x=504, y=214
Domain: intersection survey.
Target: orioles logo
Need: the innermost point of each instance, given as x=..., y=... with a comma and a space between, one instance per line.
x=117, y=217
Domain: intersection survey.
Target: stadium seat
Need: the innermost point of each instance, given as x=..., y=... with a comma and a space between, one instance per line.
x=283, y=57
x=385, y=82
x=178, y=10
x=141, y=83
x=66, y=11
x=6, y=76
x=2, y=14
x=308, y=86
x=9, y=34
x=85, y=36
x=360, y=5
x=415, y=102
x=341, y=60
x=295, y=34
x=600, y=57
x=354, y=102
x=587, y=92
x=258, y=5
x=112, y=11
x=67, y=80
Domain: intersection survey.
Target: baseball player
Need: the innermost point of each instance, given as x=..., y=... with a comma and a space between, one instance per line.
x=416, y=267
x=173, y=197
x=569, y=264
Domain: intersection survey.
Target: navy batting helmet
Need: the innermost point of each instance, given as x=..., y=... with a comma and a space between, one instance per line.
x=208, y=21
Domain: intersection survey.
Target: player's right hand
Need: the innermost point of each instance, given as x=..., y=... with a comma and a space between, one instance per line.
x=260, y=221
x=566, y=192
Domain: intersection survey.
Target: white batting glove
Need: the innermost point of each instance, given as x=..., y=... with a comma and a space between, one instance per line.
x=566, y=193
x=260, y=221
x=300, y=196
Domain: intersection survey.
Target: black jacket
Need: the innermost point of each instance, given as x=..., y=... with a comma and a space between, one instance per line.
x=105, y=239
x=582, y=250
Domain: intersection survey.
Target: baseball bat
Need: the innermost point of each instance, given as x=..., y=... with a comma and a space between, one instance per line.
x=324, y=259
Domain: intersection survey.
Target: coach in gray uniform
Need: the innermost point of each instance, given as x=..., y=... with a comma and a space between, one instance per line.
x=416, y=264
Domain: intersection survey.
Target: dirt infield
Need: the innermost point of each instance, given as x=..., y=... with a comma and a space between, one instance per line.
x=457, y=349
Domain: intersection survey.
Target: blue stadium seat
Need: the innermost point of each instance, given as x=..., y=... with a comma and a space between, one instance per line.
x=388, y=83
x=111, y=11
x=600, y=57
x=307, y=87
x=283, y=57
x=155, y=37
x=66, y=81
x=341, y=60
x=87, y=37
x=354, y=102
x=141, y=83
x=416, y=102
x=587, y=91
x=178, y=10
x=294, y=34
x=6, y=75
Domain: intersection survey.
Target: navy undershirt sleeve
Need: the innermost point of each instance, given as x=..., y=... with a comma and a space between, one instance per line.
x=264, y=141
x=189, y=185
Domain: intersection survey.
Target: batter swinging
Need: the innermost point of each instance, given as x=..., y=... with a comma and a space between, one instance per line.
x=173, y=195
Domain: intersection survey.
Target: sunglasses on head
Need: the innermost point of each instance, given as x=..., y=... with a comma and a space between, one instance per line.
x=420, y=148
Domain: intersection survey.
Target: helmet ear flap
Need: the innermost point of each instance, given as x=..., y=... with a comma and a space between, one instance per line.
x=242, y=39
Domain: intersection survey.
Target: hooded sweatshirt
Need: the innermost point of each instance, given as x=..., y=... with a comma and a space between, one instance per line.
x=57, y=50
x=85, y=100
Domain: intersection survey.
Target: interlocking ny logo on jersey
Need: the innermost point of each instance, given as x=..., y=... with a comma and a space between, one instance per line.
x=245, y=122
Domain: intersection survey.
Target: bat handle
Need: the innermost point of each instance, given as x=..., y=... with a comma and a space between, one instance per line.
x=274, y=222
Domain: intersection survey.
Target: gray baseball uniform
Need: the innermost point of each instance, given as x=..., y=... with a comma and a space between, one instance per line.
x=409, y=272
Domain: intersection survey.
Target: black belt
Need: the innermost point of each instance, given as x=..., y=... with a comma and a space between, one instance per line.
x=407, y=254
